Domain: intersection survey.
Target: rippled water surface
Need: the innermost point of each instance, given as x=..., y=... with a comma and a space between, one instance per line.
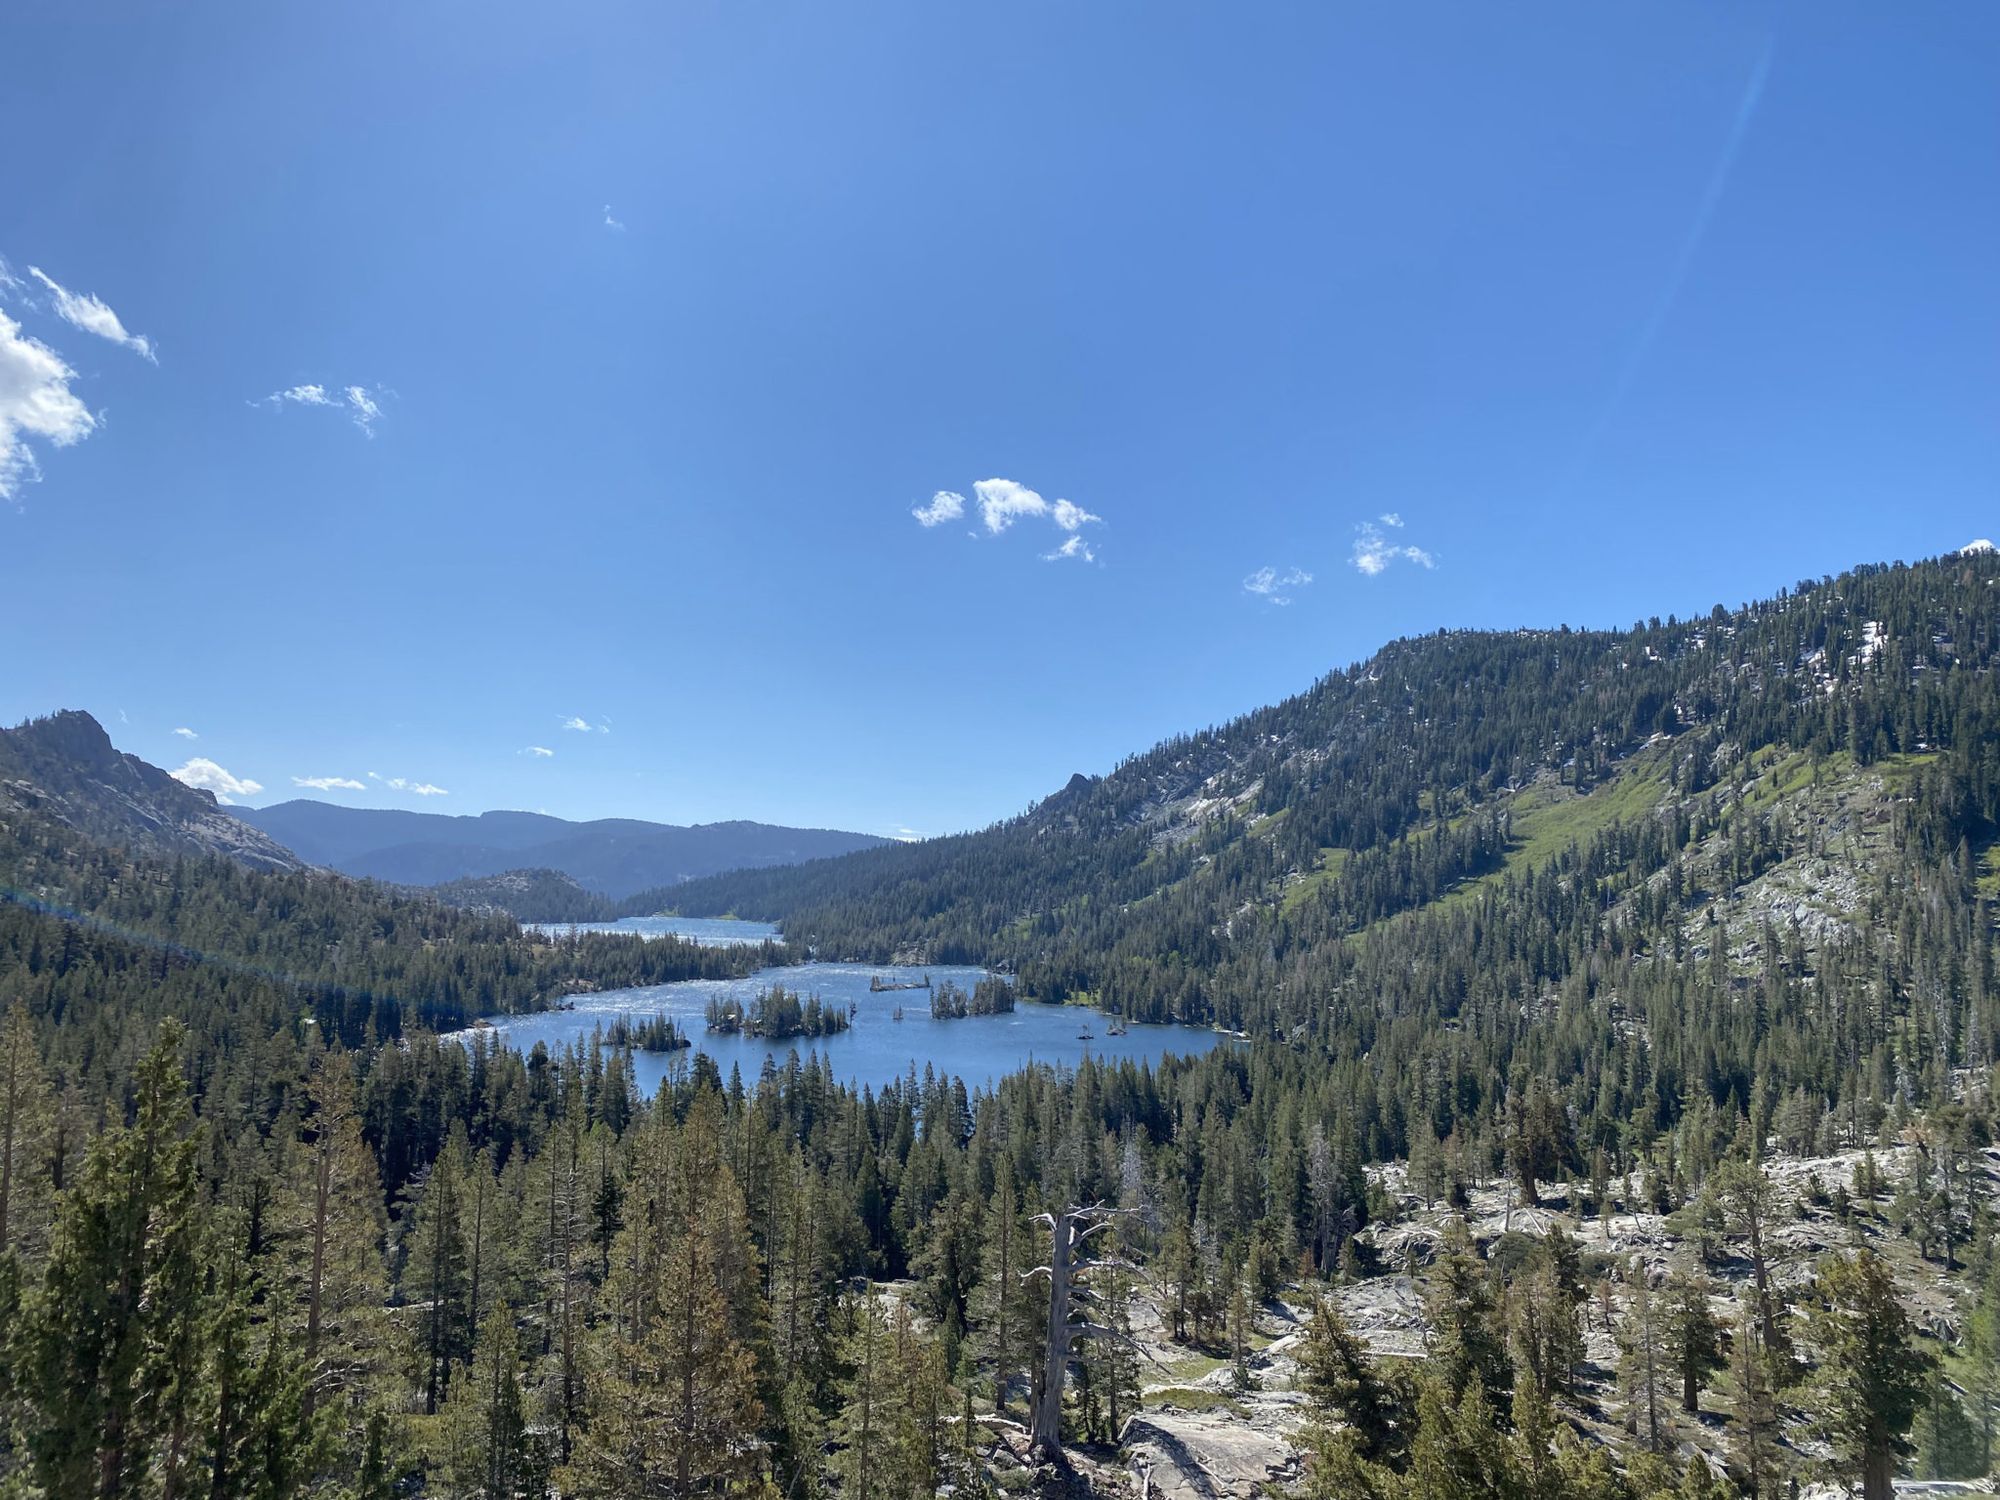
x=878, y=1048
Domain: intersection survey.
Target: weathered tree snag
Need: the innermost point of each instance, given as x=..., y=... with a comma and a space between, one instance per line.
x=1068, y=1318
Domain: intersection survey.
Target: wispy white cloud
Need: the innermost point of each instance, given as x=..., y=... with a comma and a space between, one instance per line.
x=946, y=505
x=1076, y=547
x=92, y=315
x=404, y=784
x=205, y=775
x=1374, y=552
x=363, y=406
x=1391, y=518
x=1004, y=502
x=187, y=734
x=540, y=752
x=1276, y=584
x=611, y=221
x=35, y=402
x=330, y=783
x=1069, y=516
x=577, y=725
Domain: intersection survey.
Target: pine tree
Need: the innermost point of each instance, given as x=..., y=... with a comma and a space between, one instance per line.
x=436, y=1277
x=95, y=1330
x=558, y=1217
x=1871, y=1371
x=327, y=1234
x=1643, y=1366
x=1113, y=1361
x=1342, y=1385
x=1690, y=1333
x=1744, y=1195
x=1547, y=1303
x=486, y=1448
x=866, y=1399
x=259, y=1439
x=1977, y=1361
x=1533, y=1454
x=921, y=1402
x=1240, y=1330
x=1755, y=1445
x=1467, y=1345
x=25, y=1108
x=1458, y=1449
x=676, y=1411
x=1003, y=1307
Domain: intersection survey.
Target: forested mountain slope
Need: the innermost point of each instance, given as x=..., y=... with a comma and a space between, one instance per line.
x=65, y=768
x=532, y=895
x=112, y=939
x=1230, y=873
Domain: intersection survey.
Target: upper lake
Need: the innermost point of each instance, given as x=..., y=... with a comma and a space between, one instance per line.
x=710, y=932
x=877, y=1049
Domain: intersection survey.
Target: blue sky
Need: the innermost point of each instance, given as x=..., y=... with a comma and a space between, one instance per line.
x=402, y=382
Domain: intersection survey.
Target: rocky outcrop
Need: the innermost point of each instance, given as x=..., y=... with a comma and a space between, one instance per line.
x=65, y=768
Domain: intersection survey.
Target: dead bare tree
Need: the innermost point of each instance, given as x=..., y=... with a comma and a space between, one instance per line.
x=1071, y=1261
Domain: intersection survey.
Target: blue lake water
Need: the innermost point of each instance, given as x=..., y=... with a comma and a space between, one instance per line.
x=877, y=1049
x=710, y=932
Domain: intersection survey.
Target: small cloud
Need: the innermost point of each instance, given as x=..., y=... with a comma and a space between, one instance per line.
x=906, y=835
x=1076, y=547
x=92, y=315
x=404, y=784
x=1069, y=516
x=1373, y=552
x=1276, y=584
x=1391, y=518
x=362, y=405
x=611, y=222
x=414, y=788
x=35, y=402
x=206, y=775
x=187, y=734
x=1002, y=502
x=330, y=783
x=540, y=752
x=583, y=726
x=946, y=505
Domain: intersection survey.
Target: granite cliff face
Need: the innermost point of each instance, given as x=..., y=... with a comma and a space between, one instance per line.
x=65, y=767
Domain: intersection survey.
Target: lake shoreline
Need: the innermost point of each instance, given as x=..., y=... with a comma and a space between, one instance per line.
x=891, y=1029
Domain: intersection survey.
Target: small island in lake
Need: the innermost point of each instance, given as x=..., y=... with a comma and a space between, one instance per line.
x=990, y=997
x=880, y=986
x=657, y=1035
x=777, y=1015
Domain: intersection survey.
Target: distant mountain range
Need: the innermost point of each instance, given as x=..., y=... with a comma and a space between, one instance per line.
x=613, y=857
x=65, y=767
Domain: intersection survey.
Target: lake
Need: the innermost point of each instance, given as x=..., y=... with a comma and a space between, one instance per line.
x=710, y=932
x=877, y=1049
